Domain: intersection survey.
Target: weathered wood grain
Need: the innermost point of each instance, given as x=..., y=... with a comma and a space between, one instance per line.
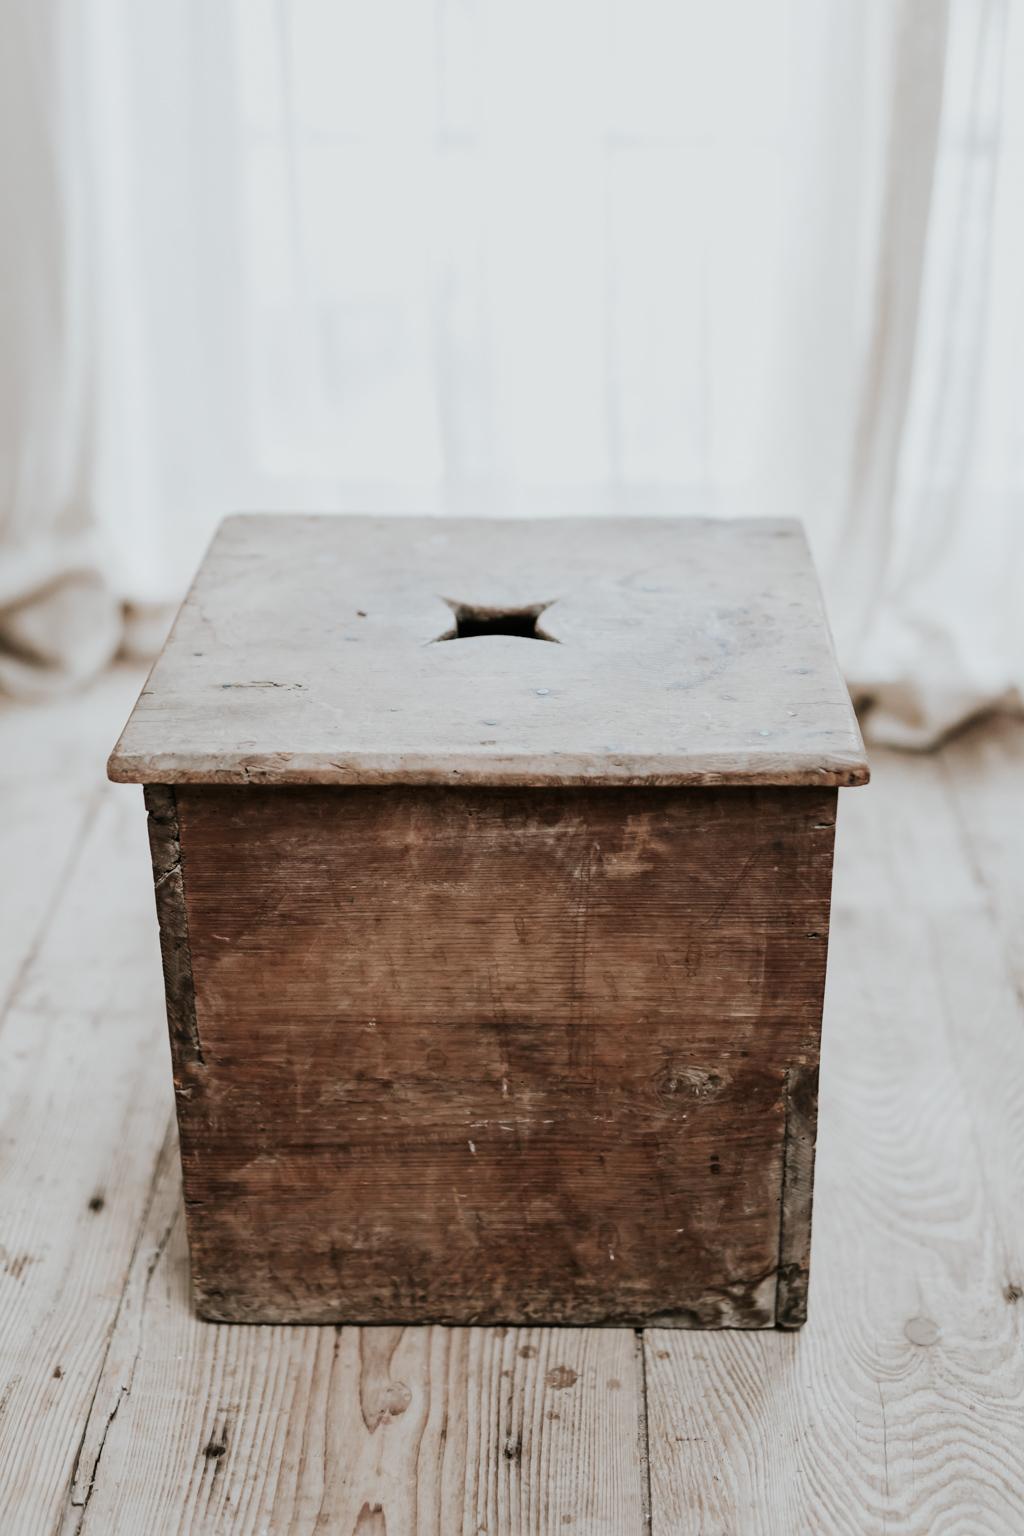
x=800, y=1102
x=690, y=651
x=452, y=1055
x=900, y=1406
x=175, y=954
x=199, y=1428
x=84, y=1106
x=463, y=1056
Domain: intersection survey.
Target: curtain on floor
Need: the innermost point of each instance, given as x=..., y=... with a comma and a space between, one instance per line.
x=761, y=257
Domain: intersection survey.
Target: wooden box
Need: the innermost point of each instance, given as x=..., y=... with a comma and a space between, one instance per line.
x=493, y=864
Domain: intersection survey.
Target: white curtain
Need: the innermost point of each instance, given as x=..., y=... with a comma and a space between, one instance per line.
x=519, y=257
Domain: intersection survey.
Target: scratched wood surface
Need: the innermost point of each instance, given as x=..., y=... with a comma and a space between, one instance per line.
x=435, y=1070
x=898, y=1408
x=678, y=651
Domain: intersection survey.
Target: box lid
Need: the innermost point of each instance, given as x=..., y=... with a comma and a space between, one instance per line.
x=361, y=650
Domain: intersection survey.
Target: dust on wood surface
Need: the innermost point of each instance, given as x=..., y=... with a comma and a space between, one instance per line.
x=319, y=650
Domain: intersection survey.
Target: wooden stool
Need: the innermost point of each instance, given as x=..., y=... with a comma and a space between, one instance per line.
x=493, y=864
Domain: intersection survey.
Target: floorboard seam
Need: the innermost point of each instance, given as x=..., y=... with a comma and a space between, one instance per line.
x=73, y=1512
x=643, y=1438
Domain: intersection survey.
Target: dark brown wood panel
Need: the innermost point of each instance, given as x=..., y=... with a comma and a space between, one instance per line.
x=497, y=1056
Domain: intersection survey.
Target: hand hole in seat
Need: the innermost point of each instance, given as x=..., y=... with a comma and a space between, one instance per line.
x=474, y=619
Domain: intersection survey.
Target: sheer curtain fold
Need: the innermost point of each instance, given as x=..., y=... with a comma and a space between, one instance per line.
x=504, y=256
x=58, y=621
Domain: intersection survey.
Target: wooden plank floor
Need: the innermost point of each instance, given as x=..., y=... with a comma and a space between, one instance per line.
x=899, y=1408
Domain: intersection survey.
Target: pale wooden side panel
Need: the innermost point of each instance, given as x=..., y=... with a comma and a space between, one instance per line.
x=469, y=1056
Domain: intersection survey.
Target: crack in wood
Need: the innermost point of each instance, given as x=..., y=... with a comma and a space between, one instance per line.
x=77, y=1502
